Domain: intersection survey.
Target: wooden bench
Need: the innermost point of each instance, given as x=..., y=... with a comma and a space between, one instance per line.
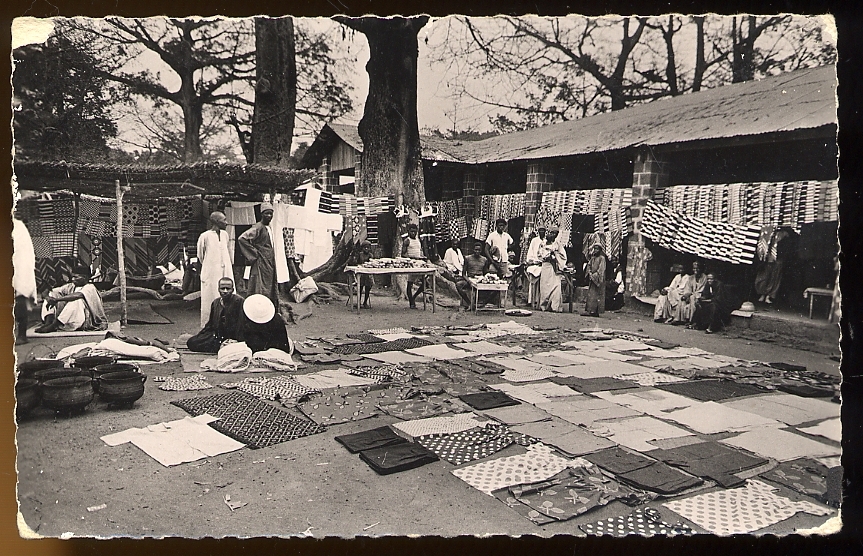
x=812, y=293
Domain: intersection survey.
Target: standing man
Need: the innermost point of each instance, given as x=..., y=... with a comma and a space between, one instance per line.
x=215, y=262
x=24, y=277
x=596, y=282
x=412, y=249
x=553, y=257
x=225, y=320
x=500, y=239
x=533, y=265
x=256, y=245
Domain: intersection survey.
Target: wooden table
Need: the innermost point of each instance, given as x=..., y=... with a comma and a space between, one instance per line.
x=477, y=287
x=357, y=271
x=812, y=292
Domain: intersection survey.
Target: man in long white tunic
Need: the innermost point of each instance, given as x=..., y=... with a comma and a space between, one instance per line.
x=215, y=262
x=553, y=258
x=24, y=277
x=667, y=304
x=533, y=264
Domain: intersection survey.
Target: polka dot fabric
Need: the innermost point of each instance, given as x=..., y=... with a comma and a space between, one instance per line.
x=470, y=445
x=741, y=510
x=646, y=522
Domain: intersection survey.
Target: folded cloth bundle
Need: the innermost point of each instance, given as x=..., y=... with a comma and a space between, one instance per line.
x=232, y=358
x=135, y=351
x=396, y=458
x=370, y=439
x=274, y=359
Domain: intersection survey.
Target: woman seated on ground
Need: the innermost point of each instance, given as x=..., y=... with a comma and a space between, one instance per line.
x=669, y=308
x=712, y=308
x=73, y=306
x=263, y=327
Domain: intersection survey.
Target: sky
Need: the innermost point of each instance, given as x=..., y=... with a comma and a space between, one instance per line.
x=438, y=107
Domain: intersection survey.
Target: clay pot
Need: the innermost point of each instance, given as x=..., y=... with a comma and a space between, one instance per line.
x=26, y=395
x=28, y=368
x=113, y=368
x=51, y=374
x=70, y=394
x=93, y=361
x=121, y=388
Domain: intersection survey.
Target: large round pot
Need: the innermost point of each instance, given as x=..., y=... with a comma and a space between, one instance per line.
x=69, y=394
x=110, y=368
x=121, y=388
x=50, y=374
x=28, y=368
x=26, y=395
x=93, y=361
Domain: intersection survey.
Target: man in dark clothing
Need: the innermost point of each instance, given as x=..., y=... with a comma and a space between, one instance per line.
x=712, y=308
x=224, y=323
x=262, y=327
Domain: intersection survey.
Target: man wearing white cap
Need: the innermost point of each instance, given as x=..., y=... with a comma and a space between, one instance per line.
x=263, y=328
x=256, y=245
x=215, y=262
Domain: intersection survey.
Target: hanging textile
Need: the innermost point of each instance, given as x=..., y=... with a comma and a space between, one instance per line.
x=480, y=229
x=712, y=240
x=427, y=236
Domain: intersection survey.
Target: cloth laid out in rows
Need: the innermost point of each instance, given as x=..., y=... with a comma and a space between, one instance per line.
x=271, y=388
x=395, y=345
x=644, y=523
x=568, y=494
x=712, y=417
x=536, y=393
x=637, y=432
x=397, y=458
x=600, y=384
x=711, y=460
x=341, y=406
x=488, y=400
x=650, y=378
x=710, y=390
x=831, y=428
x=370, y=439
x=420, y=407
x=333, y=378
x=249, y=420
x=787, y=408
x=439, y=425
x=488, y=348
x=517, y=415
x=564, y=436
x=182, y=384
x=537, y=464
x=585, y=410
x=811, y=478
x=780, y=445
x=741, y=510
x=176, y=442
x=440, y=352
x=652, y=402
x=472, y=444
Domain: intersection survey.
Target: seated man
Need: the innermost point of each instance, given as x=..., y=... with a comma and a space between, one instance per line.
x=712, y=308
x=453, y=258
x=669, y=304
x=224, y=322
x=262, y=327
x=475, y=266
x=74, y=306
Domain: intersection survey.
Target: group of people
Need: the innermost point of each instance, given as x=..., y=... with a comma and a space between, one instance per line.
x=698, y=300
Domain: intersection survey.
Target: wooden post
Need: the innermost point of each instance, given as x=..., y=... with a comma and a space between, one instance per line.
x=121, y=255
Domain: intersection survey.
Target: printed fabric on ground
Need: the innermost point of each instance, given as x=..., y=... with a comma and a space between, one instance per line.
x=646, y=522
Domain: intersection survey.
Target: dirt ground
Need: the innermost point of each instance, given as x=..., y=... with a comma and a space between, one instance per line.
x=310, y=486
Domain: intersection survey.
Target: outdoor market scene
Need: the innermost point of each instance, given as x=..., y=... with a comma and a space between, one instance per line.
x=620, y=320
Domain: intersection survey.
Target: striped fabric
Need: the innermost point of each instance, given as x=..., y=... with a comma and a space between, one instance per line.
x=790, y=204
x=719, y=241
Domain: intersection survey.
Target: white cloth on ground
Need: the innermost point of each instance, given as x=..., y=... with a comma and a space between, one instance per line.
x=232, y=358
x=138, y=352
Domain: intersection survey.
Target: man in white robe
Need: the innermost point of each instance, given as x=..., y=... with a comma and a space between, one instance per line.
x=73, y=306
x=670, y=297
x=553, y=258
x=24, y=277
x=215, y=262
x=534, y=265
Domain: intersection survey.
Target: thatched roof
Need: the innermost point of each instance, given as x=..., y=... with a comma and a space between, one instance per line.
x=158, y=181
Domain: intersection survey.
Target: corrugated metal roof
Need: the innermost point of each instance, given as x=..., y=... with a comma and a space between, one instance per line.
x=803, y=99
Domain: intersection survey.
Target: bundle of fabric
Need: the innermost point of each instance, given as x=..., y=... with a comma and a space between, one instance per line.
x=134, y=351
x=233, y=357
x=274, y=359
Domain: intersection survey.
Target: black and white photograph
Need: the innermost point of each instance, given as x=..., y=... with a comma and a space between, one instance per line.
x=426, y=275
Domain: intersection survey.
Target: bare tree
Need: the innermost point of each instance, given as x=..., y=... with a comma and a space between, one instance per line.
x=275, y=91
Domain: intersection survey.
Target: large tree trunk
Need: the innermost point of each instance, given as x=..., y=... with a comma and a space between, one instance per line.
x=275, y=91
x=392, y=157
x=392, y=160
x=192, y=118
x=700, y=64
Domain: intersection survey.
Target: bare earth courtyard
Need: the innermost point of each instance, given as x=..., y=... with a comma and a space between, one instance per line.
x=310, y=485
